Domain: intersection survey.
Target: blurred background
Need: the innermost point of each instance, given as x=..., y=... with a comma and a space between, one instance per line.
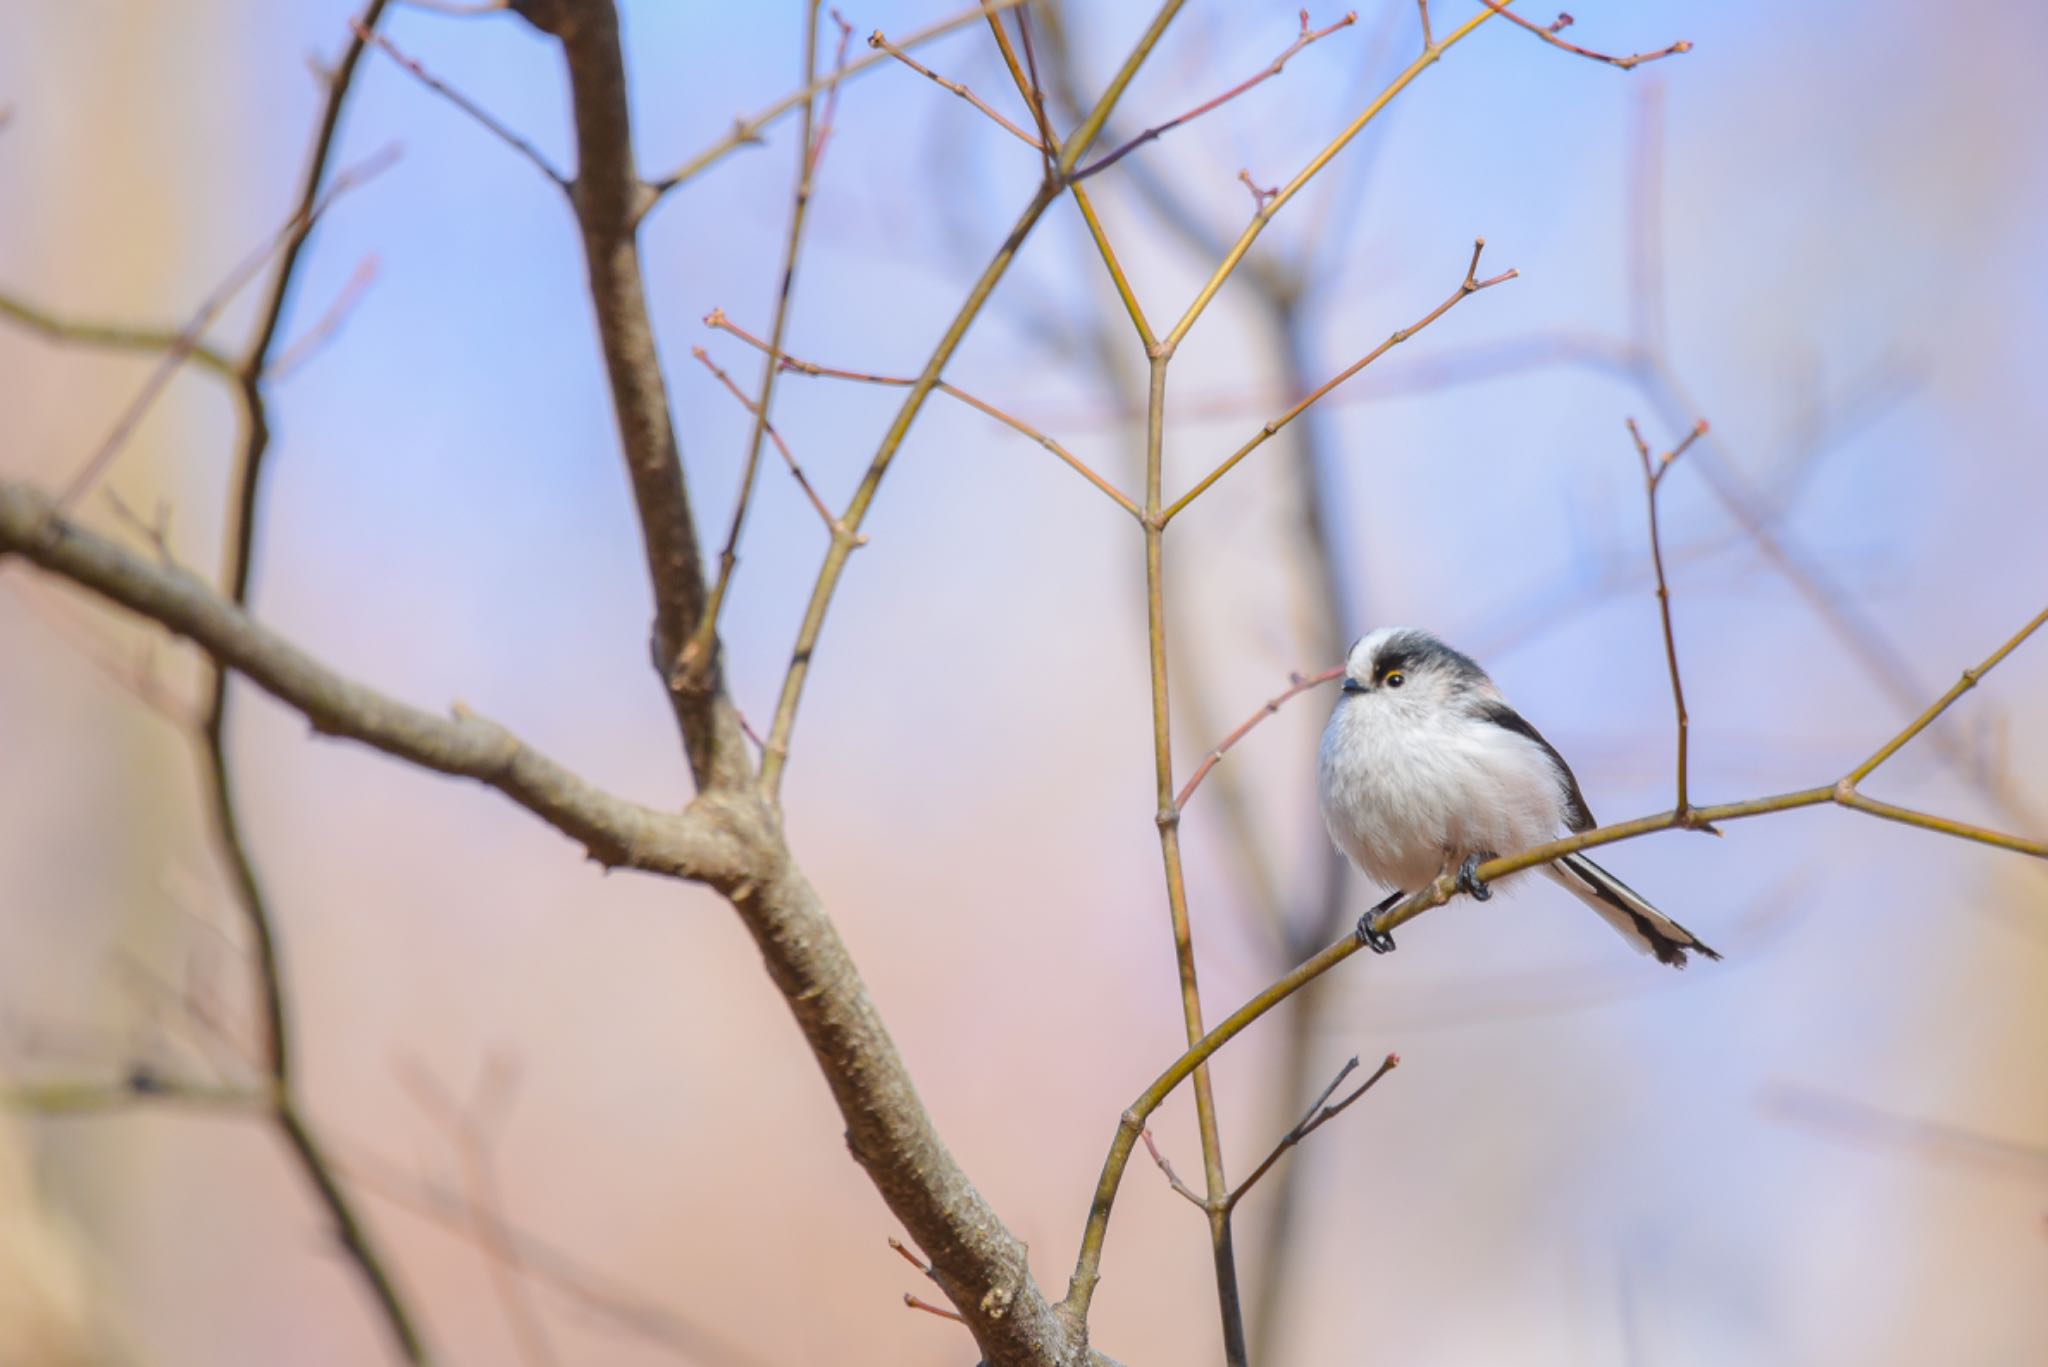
x=1818, y=230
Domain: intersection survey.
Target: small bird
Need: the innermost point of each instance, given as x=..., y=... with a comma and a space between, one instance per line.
x=1425, y=768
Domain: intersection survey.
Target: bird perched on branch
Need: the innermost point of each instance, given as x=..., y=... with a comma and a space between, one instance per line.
x=1425, y=769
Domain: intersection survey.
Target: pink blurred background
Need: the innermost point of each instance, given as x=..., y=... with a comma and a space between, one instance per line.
x=1831, y=1148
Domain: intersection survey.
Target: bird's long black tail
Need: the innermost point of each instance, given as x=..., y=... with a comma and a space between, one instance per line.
x=1627, y=910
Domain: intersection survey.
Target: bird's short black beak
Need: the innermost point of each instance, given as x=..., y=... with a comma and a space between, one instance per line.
x=1354, y=686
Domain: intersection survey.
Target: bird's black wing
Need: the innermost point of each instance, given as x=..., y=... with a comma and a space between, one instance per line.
x=1577, y=817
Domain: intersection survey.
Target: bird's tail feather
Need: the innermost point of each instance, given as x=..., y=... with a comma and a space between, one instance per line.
x=1622, y=907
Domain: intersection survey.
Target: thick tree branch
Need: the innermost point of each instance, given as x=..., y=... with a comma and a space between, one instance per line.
x=616, y=832
x=609, y=199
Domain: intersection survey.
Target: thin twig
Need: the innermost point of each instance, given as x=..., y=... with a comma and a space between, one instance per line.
x=1653, y=480
x=1233, y=258
x=718, y=319
x=142, y=1087
x=1173, y=1178
x=324, y=331
x=878, y=41
x=116, y=337
x=689, y=669
x=1025, y=77
x=485, y=1208
x=1549, y=35
x=832, y=524
x=1033, y=89
x=1297, y=684
x=1427, y=41
x=747, y=130
x=188, y=338
x=548, y=1264
x=828, y=117
x=1271, y=69
x=916, y=1304
x=1261, y=195
x=1317, y=1115
x=902, y=1251
x=1467, y=287
x=489, y=121
x=1166, y=817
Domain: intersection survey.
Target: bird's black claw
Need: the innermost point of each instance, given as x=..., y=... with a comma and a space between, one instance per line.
x=1378, y=941
x=1469, y=880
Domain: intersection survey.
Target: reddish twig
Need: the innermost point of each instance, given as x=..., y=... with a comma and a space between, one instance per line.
x=210, y=309
x=691, y=669
x=484, y=1202
x=1272, y=69
x=915, y=1304
x=830, y=109
x=1470, y=285
x=1035, y=95
x=1261, y=196
x=1297, y=684
x=322, y=332
x=1549, y=35
x=465, y=104
x=1653, y=479
x=717, y=319
x=1172, y=1178
x=1315, y=1118
x=1427, y=41
x=832, y=523
x=904, y=1253
x=879, y=42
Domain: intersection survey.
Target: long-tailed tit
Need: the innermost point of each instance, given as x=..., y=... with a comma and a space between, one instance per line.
x=1425, y=769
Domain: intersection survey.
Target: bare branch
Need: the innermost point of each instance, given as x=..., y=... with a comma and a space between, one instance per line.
x=1235, y=256
x=878, y=41
x=482, y=116
x=775, y=757
x=329, y=325
x=747, y=130
x=140, y=1088
x=609, y=200
x=1549, y=35
x=115, y=337
x=1653, y=480
x=717, y=319
x=1467, y=287
x=1317, y=1115
x=1272, y=69
x=188, y=339
x=616, y=832
x=699, y=650
x=485, y=1208
x=833, y=525
x=1187, y=1192
x=1297, y=684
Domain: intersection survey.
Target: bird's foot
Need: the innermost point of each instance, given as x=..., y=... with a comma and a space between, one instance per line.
x=1469, y=880
x=1369, y=935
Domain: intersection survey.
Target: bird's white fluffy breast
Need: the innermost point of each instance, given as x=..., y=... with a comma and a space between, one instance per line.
x=1408, y=794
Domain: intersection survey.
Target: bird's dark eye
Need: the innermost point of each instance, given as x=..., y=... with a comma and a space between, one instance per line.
x=1395, y=679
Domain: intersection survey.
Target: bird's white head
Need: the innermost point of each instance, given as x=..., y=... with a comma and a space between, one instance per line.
x=1408, y=670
